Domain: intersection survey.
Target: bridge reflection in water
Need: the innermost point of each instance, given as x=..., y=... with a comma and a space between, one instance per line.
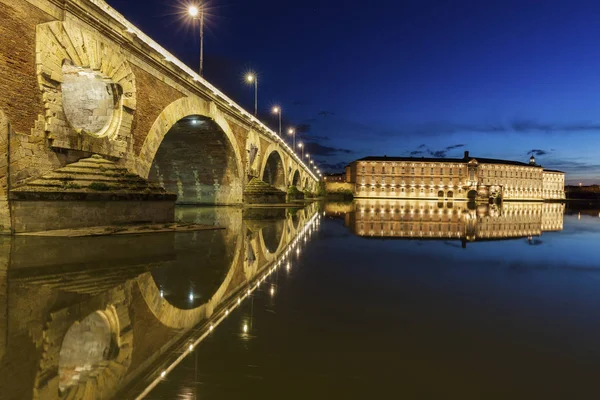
x=110, y=317
x=467, y=222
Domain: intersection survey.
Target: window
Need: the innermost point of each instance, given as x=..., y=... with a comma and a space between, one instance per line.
x=422, y=171
x=383, y=169
x=412, y=170
x=441, y=171
x=372, y=170
x=450, y=171
x=431, y=170
x=363, y=169
x=393, y=170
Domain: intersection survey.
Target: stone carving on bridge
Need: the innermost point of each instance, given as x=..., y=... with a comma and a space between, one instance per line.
x=88, y=89
x=254, y=154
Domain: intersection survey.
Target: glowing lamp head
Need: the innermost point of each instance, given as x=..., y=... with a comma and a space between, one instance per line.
x=276, y=110
x=193, y=11
x=250, y=78
x=300, y=145
x=291, y=131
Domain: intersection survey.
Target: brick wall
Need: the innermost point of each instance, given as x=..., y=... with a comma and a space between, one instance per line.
x=153, y=96
x=20, y=96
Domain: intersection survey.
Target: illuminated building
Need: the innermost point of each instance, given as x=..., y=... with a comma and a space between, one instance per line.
x=466, y=178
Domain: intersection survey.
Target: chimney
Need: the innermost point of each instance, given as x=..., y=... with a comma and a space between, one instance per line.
x=466, y=154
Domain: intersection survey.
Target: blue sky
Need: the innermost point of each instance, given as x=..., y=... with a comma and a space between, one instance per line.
x=500, y=78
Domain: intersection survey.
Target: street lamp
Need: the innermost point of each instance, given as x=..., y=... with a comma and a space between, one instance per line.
x=198, y=13
x=277, y=110
x=253, y=78
x=302, y=147
x=292, y=132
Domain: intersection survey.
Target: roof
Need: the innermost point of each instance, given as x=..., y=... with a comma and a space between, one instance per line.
x=553, y=170
x=449, y=160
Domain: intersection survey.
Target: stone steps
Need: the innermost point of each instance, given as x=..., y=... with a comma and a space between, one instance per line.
x=90, y=175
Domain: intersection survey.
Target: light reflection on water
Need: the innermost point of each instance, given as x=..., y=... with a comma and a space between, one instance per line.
x=503, y=304
x=513, y=314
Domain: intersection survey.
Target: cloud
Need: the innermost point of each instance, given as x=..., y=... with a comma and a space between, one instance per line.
x=513, y=126
x=571, y=166
x=537, y=152
x=317, y=149
x=522, y=125
x=438, y=153
x=424, y=149
x=303, y=128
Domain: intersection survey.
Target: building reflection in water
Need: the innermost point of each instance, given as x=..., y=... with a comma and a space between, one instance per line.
x=467, y=222
x=110, y=317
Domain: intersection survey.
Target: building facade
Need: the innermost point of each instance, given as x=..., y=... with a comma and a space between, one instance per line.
x=335, y=177
x=468, y=178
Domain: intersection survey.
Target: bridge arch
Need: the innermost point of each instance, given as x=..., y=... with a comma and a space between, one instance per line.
x=192, y=151
x=273, y=170
x=296, y=180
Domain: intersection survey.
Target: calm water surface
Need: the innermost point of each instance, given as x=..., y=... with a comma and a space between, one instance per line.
x=385, y=299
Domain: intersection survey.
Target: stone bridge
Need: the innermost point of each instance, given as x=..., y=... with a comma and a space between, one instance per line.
x=77, y=79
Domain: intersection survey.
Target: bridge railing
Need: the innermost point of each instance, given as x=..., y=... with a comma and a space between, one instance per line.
x=195, y=76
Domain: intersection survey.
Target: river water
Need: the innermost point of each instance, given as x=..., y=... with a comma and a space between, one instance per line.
x=371, y=299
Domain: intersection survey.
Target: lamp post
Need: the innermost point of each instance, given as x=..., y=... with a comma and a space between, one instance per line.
x=292, y=132
x=253, y=78
x=277, y=110
x=300, y=145
x=198, y=13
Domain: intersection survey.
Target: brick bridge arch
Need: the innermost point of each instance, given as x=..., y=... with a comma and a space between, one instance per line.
x=188, y=178
x=274, y=169
x=296, y=179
